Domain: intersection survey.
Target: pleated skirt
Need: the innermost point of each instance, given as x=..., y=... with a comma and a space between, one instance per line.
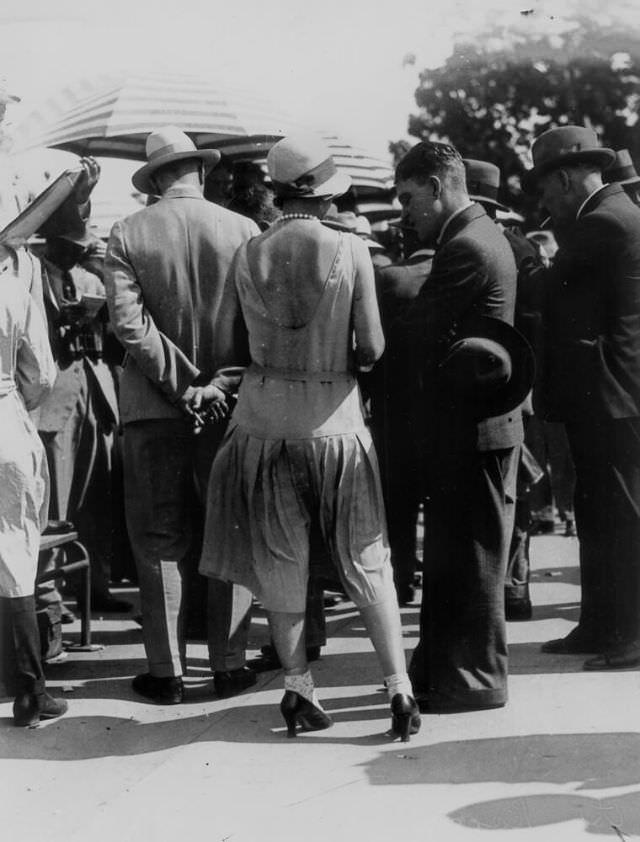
x=265, y=495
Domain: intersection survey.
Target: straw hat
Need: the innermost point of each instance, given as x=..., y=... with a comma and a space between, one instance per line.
x=563, y=147
x=165, y=146
x=301, y=167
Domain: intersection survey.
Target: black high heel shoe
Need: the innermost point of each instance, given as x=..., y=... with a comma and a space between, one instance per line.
x=297, y=710
x=405, y=716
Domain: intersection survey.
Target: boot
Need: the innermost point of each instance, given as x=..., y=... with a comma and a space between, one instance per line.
x=32, y=702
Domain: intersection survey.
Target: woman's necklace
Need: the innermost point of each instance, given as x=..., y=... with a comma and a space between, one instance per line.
x=287, y=216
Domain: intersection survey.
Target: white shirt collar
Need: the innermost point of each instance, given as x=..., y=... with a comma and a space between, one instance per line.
x=450, y=219
x=597, y=190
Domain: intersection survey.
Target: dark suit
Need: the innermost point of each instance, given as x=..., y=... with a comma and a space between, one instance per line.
x=469, y=470
x=392, y=396
x=592, y=383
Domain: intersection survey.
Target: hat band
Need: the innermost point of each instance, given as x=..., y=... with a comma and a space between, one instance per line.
x=481, y=188
x=306, y=183
x=169, y=149
x=621, y=173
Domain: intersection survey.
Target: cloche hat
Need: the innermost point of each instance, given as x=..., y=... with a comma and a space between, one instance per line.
x=562, y=147
x=488, y=367
x=301, y=167
x=483, y=182
x=164, y=146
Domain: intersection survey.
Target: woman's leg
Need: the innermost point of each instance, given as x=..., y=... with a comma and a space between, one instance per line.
x=287, y=631
x=383, y=625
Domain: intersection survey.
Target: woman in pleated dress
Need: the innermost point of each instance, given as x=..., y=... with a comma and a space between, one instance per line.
x=300, y=309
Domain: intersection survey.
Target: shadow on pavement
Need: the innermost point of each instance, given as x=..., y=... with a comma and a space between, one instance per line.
x=600, y=815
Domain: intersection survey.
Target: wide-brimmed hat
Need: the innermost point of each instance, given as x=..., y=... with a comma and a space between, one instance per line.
x=483, y=182
x=301, y=167
x=562, y=147
x=340, y=220
x=622, y=170
x=165, y=146
x=487, y=369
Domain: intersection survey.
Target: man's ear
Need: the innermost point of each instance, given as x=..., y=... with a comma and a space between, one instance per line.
x=565, y=180
x=435, y=186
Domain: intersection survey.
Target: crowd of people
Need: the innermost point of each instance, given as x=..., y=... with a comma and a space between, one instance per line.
x=268, y=400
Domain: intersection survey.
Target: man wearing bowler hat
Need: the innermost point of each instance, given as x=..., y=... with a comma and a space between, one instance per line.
x=592, y=382
x=624, y=172
x=469, y=382
x=164, y=275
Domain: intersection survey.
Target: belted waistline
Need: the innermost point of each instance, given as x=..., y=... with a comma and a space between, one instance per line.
x=301, y=376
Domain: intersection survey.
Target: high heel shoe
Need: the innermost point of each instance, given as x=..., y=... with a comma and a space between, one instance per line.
x=296, y=710
x=405, y=717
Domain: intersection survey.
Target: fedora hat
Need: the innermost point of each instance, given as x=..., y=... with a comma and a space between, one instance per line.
x=340, y=220
x=488, y=367
x=562, y=147
x=483, y=182
x=165, y=146
x=622, y=170
x=301, y=167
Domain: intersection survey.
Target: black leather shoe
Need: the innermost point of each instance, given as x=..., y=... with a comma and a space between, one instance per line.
x=518, y=611
x=406, y=594
x=110, y=604
x=30, y=708
x=618, y=659
x=168, y=690
x=233, y=681
x=67, y=616
x=573, y=644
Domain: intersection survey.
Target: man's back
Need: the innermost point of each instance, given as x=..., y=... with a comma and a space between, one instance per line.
x=168, y=264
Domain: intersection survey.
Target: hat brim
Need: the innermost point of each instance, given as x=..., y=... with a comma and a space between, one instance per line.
x=603, y=157
x=141, y=179
x=484, y=200
x=513, y=393
x=335, y=186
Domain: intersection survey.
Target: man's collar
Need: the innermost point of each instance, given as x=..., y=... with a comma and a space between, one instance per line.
x=458, y=220
x=183, y=191
x=600, y=193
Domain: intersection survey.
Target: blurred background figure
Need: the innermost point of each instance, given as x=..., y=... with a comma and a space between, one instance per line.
x=624, y=172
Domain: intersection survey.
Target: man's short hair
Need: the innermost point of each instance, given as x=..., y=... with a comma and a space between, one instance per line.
x=429, y=158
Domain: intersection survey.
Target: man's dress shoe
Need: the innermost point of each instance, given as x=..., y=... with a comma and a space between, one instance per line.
x=573, y=644
x=618, y=659
x=167, y=690
x=231, y=682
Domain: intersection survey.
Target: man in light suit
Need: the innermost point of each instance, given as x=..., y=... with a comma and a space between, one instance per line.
x=469, y=458
x=592, y=382
x=164, y=274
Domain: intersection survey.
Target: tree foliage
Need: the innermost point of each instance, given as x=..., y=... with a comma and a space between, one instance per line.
x=491, y=102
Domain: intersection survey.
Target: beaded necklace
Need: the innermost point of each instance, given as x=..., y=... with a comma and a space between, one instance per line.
x=287, y=216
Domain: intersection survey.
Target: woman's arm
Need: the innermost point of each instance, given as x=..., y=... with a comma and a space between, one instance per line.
x=369, y=338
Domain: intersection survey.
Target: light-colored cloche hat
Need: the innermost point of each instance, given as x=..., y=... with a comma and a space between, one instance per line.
x=165, y=146
x=483, y=182
x=562, y=147
x=301, y=167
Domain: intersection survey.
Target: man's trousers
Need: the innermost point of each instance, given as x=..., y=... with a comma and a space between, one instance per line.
x=166, y=470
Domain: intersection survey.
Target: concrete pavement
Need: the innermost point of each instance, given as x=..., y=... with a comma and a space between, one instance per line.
x=560, y=762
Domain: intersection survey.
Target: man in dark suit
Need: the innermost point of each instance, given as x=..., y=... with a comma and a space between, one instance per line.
x=469, y=462
x=392, y=396
x=592, y=382
x=164, y=276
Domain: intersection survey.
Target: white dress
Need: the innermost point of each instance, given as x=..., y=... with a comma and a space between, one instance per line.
x=27, y=374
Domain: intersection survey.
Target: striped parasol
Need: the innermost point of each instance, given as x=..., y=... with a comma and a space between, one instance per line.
x=114, y=119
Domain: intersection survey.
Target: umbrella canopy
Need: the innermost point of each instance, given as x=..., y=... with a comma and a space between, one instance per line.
x=115, y=119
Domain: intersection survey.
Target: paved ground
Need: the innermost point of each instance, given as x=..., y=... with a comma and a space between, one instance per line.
x=560, y=762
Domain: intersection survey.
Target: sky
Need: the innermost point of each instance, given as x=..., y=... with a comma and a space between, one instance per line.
x=349, y=66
